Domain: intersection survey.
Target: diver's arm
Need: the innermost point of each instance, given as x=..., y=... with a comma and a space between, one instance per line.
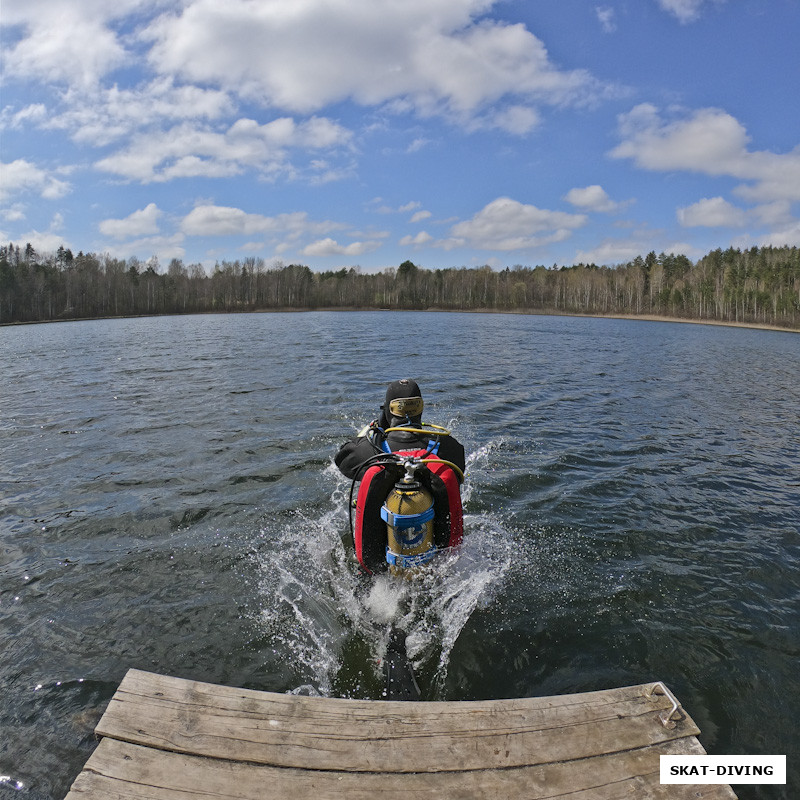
x=355, y=452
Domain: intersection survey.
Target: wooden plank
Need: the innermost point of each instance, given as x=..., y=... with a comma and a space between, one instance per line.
x=124, y=771
x=332, y=734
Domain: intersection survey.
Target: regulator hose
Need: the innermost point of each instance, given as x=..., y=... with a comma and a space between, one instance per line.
x=422, y=427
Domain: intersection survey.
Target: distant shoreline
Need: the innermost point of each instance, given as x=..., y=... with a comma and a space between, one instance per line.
x=348, y=309
x=654, y=318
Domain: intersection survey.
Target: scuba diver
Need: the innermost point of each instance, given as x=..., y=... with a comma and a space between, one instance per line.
x=402, y=408
x=408, y=506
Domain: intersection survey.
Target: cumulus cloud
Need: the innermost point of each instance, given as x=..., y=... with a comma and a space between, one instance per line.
x=43, y=241
x=506, y=224
x=103, y=116
x=163, y=247
x=213, y=220
x=21, y=176
x=420, y=240
x=712, y=212
x=778, y=214
x=716, y=212
x=591, y=198
x=787, y=235
x=711, y=142
x=330, y=247
x=612, y=251
x=427, y=56
x=189, y=150
x=70, y=43
x=515, y=119
x=13, y=213
x=421, y=215
x=143, y=222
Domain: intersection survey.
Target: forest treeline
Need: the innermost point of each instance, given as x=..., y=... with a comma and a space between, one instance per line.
x=757, y=285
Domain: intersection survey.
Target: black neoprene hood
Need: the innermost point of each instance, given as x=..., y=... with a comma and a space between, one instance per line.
x=397, y=389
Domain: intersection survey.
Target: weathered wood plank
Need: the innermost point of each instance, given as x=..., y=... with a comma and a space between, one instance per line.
x=171, y=739
x=331, y=734
x=124, y=771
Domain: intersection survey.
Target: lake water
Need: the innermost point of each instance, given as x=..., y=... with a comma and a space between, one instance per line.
x=169, y=503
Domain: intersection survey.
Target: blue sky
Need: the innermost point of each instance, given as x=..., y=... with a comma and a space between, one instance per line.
x=366, y=132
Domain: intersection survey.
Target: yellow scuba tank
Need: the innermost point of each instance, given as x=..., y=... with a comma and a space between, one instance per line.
x=408, y=512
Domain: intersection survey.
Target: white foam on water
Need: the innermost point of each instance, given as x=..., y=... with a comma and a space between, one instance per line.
x=452, y=588
x=313, y=598
x=304, y=587
x=476, y=461
x=383, y=600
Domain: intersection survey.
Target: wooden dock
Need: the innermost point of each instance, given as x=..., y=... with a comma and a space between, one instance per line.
x=166, y=738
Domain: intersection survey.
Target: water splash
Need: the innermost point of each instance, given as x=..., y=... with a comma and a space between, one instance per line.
x=303, y=587
x=443, y=598
x=315, y=602
x=477, y=464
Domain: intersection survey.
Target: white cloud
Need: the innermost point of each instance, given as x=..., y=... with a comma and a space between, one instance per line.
x=100, y=117
x=190, y=150
x=47, y=241
x=712, y=212
x=606, y=16
x=516, y=119
x=710, y=142
x=591, y=198
x=379, y=207
x=321, y=172
x=139, y=223
x=788, y=235
x=212, y=220
x=421, y=215
x=14, y=213
x=36, y=113
x=685, y=10
x=775, y=177
x=641, y=239
x=683, y=249
x=612, y=251
x=70, y=43
x=163, y=247
x=418, y=144
x=774, y=214
x=42, y=243
x=506, y=224
x=776, y=217
x=21, y=176
x=330, y=247
x=420, y=240
x=428, y=56
x=70, y=51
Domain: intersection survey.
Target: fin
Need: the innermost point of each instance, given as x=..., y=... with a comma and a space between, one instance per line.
x=400, y=681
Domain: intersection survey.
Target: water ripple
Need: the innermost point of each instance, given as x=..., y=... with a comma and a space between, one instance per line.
x=632, y=513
